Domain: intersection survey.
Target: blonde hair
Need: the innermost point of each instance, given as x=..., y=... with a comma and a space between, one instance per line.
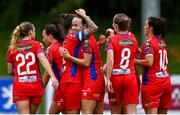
x=19, y=33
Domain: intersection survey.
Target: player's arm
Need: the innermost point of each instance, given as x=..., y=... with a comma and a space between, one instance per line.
x=83, y=62
x=147, y=62
x=46, y=75
x=10, y=68
x=92, y=27
x=109, y=66
x=45, y=63
x=109, y=63
x=102, y=38
x=45, y=78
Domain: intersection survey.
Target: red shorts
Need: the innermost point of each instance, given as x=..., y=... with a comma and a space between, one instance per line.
x=94, y=91
x=125, y=89
x=71, y=94
x=58, y=99
x=32, y=99
x=156, y=95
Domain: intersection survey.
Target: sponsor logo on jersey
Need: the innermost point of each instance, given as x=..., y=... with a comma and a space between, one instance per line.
x=126, y=42
x=22, y=48
x=148, y=48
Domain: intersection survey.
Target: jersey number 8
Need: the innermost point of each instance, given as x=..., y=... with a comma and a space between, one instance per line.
x=125, y=55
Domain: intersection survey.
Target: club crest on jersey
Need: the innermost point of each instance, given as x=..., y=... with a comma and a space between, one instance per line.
x=148, y=48
x=126, y=42
x=162, y=44
x=22, y=48
x=86, y=44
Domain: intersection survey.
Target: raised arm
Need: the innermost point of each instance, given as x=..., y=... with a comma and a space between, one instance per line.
x=92, y=27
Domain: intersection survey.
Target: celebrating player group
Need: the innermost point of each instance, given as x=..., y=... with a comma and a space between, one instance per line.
x=72, y=61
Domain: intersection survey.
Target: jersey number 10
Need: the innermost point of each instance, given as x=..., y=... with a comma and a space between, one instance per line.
x=163, y=59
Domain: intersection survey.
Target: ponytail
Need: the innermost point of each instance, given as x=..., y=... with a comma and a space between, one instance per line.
x=19, y=33
x=16, y=38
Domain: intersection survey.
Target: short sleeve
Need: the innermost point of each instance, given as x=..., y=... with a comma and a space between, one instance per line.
x=39, y=48
x=87, y=47
x=148, y=50
x=108, y=45
x=9, y=56
x=49, y=55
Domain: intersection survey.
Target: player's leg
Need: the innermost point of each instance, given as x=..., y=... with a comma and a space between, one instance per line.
x=130, y=109
x=88, y=106
x=23, y=107
x=99, y=108
x=162, y=111
x=115, y=108
x=150, y=110
x=33, y=108
x=100, y=104
x=34, y=103
x=53, y=108
x=22, y=104
x=73, y=111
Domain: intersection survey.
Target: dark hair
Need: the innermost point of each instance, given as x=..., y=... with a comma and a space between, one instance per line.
x=123, y=21
x=55, y=30
x=158, y=24
x=66, y=20
x=78, y=16
x=25, y=27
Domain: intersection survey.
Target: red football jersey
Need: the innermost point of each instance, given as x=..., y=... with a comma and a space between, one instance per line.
x=158, y=49
x=55, y=58
x=125, y=48
x=93, y=73
x=71, y=72
x=27, y=79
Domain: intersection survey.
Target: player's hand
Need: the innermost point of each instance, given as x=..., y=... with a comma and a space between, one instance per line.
x=109, y=32
x=55, y=83
x=64, y=52
x=109, y=86
x=81, y=12
x=104, y=68
x=102, y=39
